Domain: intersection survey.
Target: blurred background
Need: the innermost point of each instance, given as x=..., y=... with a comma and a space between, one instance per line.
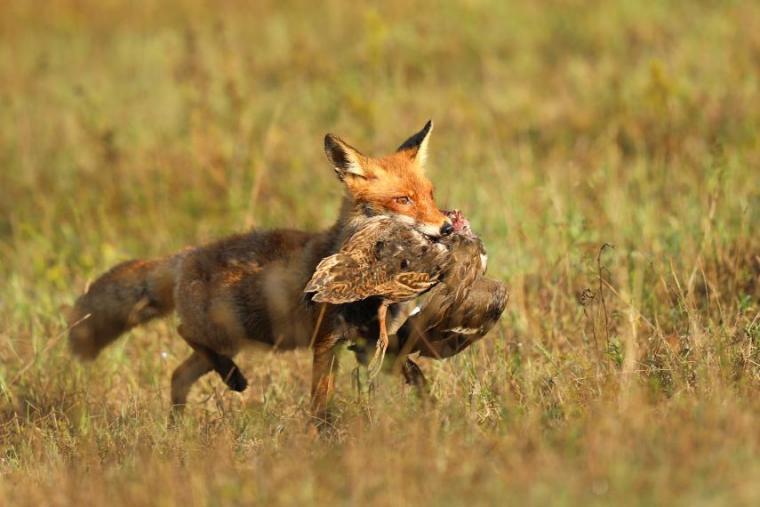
x=627, y=372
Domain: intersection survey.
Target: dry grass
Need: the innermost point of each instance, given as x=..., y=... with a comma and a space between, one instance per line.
x=624, y=376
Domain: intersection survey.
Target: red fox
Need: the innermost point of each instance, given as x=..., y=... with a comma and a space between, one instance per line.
x=249, y=288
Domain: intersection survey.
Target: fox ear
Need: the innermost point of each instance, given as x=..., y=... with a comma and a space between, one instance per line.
x=416, y=146
x=345, y=158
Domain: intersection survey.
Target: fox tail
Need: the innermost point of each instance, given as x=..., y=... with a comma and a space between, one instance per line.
x=129, y=294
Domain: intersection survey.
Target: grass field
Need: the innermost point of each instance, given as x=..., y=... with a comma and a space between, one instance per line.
x=626, y=374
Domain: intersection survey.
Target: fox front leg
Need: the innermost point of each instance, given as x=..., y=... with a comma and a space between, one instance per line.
x=376, y=365
x=413, y=376
x=323, y=371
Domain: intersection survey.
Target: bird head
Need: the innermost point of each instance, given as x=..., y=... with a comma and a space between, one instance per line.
x=459, y=222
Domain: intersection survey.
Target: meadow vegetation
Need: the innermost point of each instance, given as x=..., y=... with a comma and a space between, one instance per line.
x=606, y=152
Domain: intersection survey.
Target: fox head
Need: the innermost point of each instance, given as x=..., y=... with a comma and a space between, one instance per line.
x=394, y=185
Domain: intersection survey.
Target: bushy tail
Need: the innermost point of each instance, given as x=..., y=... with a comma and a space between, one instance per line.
x=127, y=295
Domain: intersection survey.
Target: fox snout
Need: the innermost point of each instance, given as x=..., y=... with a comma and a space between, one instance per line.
x=446, y=226
x=434, y=231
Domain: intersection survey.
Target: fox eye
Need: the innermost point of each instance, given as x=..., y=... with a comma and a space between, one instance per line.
x=403, y=200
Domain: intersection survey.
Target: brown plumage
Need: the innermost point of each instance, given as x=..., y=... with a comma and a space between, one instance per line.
x=460, y=309
x=463, y=307
x=441, y=329
x=384, y=258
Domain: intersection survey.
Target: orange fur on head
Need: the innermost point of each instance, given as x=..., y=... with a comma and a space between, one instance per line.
x=395, y=184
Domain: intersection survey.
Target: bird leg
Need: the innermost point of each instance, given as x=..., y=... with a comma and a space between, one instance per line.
x=382, y=343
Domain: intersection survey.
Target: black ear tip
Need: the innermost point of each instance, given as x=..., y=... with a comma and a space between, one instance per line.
x=329, y=140
x=428, y=126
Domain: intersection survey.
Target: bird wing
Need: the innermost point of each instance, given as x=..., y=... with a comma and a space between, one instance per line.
x=333, y=280
x=385, y=258
x=445, y=333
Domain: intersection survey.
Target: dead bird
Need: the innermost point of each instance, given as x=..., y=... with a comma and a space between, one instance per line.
x=460, y=309
x=385, y=258
x=463, y=307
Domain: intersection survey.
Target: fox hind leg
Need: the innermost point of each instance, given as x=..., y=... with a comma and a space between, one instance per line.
x=184, y=376
x=226, y=368
x=324, y=369
x=220, y=363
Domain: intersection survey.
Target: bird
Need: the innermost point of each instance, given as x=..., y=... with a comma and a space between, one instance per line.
x=384, y=258
x=463, y=307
